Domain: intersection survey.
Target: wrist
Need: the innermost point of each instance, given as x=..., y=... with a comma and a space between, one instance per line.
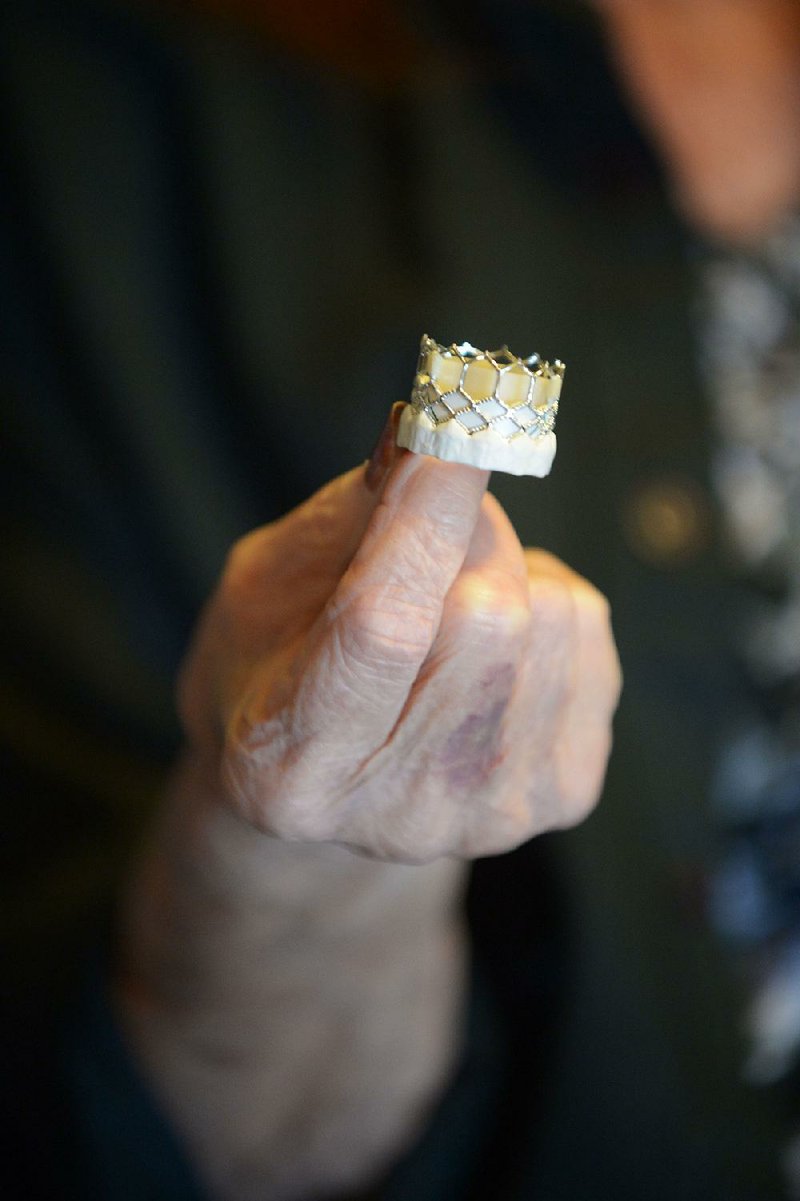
x=209, y=886
x=305, y=984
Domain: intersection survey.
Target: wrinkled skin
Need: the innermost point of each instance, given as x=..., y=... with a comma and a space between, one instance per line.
x=384, y=668
x=390, y=670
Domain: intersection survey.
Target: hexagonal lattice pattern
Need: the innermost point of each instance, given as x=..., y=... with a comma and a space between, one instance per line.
x=487, y=389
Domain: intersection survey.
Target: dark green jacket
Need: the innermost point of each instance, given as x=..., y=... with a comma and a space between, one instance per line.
x=195, y=235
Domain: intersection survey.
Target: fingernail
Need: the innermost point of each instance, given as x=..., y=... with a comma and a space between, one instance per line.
x=385, y=450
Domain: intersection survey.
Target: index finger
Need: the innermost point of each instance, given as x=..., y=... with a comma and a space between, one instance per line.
x=376, y=631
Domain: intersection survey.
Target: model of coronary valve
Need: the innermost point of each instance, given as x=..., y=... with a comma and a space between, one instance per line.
x=487, y=408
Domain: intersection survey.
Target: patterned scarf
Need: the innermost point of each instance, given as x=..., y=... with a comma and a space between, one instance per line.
x=750, y=349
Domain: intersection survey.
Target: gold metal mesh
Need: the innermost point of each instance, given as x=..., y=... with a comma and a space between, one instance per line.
x=487, y=389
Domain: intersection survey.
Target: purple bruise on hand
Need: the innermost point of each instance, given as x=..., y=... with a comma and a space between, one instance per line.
x=475, y=748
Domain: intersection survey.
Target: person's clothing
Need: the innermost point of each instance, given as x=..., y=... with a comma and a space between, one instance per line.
x=752, y=345
x=195, y=236
x=750, y=337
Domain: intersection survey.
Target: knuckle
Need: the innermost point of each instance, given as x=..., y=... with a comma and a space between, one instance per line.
x=594, y=618
x=593, y=605
x=271, y=780
x=491, y=603
x=553, y=604
x=388, y=625
x=541, y=561
x=578, y=804
x=500, y=827
x=501, y=839
x=291, y=821
x=548, y=576
x=413, y=829
x=581, y=782
x=278, y=809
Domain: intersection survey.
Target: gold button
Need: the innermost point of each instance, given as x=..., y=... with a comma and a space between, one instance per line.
x=667, y=521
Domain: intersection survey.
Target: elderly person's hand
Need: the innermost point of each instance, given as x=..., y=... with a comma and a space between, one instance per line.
x=387, y=668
